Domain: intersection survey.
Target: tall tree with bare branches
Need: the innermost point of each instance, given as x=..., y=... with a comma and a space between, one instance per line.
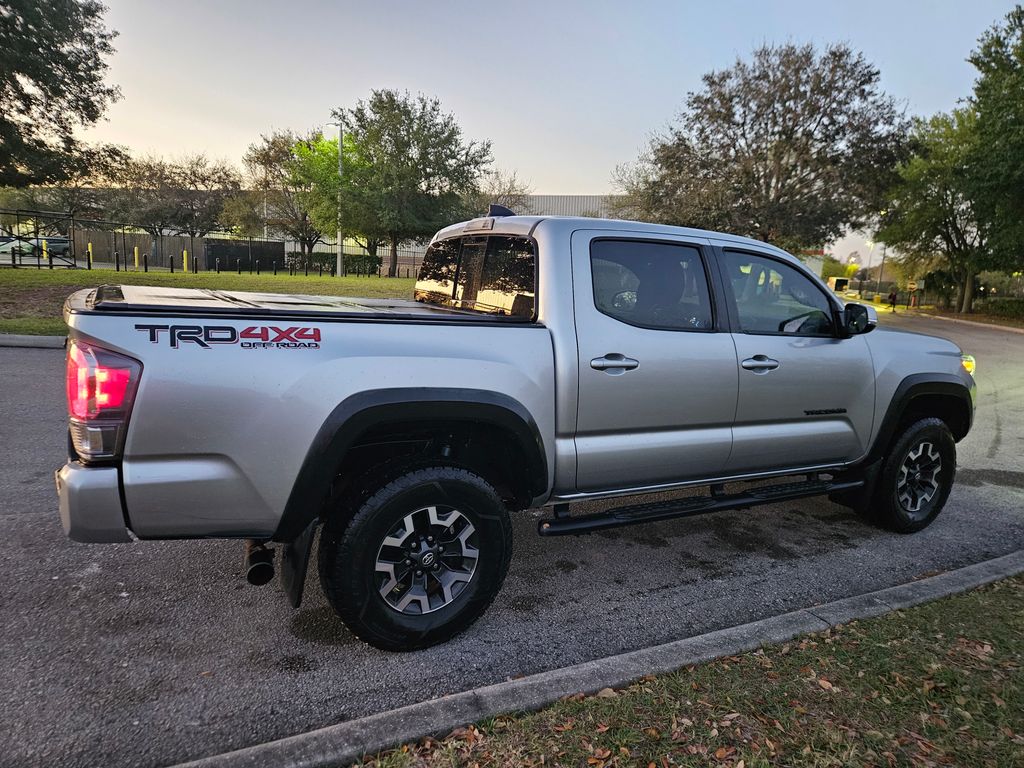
x=792, y=146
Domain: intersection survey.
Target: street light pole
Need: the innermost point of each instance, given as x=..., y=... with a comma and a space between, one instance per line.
x=881, y=269
x=340, y=264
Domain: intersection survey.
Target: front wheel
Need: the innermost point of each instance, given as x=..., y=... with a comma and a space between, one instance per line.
x=421, y=559
x=916, y=477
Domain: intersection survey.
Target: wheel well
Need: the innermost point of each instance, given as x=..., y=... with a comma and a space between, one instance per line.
x=491, y=451
x=950, y=409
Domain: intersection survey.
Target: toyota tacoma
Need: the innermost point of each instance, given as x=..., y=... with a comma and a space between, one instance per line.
x=540, y=361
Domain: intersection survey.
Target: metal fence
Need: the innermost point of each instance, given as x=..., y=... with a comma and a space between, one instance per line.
x=54, y=239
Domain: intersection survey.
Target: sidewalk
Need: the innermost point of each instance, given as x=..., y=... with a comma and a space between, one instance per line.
x=997, y=326
x=38, y=342
x=883, y=311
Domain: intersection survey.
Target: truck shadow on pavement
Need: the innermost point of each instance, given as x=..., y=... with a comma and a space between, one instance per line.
x=678, y=554
x=1005, y=478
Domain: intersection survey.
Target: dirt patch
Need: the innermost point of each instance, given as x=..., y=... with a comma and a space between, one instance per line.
x=37, y=301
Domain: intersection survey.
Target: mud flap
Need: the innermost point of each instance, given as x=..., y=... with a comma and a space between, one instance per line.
x=860, y=499
x=295, y=562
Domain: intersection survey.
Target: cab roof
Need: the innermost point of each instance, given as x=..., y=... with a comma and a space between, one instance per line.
x=525, y=226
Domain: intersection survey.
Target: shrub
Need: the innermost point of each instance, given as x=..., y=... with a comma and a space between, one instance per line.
x=355, y=263
x=1001, y=306
x=362, y=263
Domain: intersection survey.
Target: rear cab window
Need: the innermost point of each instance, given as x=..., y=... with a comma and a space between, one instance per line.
x=485, y=274
x=648, y=284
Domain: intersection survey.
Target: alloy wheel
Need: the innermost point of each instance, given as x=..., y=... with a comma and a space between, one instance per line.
x=918, y=480
x=427, y=560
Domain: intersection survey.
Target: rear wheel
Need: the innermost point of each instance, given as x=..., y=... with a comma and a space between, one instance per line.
x=916, y=478
x=421, y=559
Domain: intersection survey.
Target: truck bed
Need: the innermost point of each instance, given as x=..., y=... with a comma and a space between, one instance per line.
x=156, y=300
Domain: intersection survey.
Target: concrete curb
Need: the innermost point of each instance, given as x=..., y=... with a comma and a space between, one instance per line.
x=38, y=342
x=993, y=326
x=348, y=742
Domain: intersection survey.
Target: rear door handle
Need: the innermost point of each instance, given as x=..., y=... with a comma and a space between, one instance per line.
x=760, y=364
x=614, y=363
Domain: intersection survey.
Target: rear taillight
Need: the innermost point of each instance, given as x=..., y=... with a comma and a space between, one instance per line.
x=101, y=388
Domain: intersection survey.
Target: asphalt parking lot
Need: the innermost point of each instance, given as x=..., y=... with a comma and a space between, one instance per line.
x=152, y=653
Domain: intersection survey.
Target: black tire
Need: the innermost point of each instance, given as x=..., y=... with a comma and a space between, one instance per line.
x=905, y=500
x=353, y=548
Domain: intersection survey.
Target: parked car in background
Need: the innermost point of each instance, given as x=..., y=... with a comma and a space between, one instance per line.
x=30, y=246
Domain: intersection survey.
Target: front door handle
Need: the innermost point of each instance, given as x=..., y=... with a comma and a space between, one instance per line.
x=614, y=363
x=760, y=364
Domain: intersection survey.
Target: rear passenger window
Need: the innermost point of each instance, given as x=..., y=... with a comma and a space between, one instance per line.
x=772, y=297
x=652, y=285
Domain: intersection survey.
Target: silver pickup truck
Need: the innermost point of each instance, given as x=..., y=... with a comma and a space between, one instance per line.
x=541, y=361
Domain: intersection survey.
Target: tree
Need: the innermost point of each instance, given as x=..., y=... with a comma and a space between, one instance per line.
x=832, y=267
x=930, y=212
x=412, y=169
x=52, y=64
x=243, y=213
x=145, y=194
x=317, y=166
x=792, y=147
x=201, y=187
x=184, y=196
x=996, y=164
x=503, y=188
x=278, y=189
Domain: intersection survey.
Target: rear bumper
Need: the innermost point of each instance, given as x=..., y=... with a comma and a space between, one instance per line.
x=90, y=504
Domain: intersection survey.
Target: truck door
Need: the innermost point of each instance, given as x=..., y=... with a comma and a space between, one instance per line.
x=658, y=377
x=806, y=395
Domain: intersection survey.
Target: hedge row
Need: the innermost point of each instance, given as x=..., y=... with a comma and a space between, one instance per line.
x=1001, y=306
x=362, y=263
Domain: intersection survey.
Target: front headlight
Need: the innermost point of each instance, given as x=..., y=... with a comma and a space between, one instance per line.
x=967, y=361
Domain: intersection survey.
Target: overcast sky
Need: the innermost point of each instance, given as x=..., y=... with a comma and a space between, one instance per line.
x=565, y=90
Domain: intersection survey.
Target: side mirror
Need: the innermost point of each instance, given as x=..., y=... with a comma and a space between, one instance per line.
x=859, y=318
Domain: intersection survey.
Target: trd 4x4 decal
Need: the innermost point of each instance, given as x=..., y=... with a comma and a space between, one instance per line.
x=253, y=337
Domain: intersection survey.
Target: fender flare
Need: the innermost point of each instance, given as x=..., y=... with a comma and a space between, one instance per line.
x=355, y=414
x=912, y=387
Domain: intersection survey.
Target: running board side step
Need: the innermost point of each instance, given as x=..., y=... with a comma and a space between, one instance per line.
x=617, y=517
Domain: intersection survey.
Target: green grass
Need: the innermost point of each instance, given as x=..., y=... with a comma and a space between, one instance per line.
x=31, y=299
x=940, y=684
x=982, y=317
x=33, y=326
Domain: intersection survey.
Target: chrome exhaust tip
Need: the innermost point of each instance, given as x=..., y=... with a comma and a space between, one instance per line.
x=259, y=563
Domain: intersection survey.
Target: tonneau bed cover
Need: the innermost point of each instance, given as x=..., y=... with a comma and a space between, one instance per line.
x=157, y=300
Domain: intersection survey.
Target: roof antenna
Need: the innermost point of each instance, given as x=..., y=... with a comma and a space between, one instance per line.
x=499, y=210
